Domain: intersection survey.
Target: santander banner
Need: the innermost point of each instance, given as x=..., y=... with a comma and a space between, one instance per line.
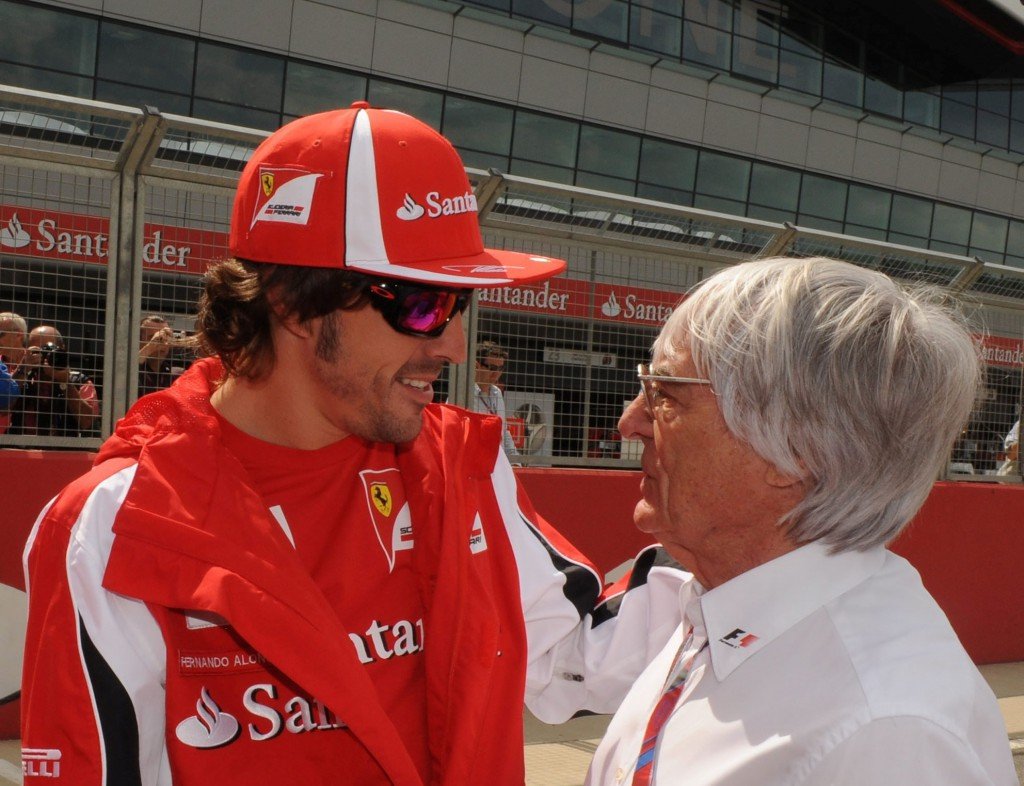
x=74, y=237
x=1000, y=351
x=569, y=297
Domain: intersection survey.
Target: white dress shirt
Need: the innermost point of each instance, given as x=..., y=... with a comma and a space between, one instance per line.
x=492, y=402
x=822, y=669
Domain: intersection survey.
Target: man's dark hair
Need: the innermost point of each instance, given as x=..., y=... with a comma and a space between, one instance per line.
x=241, y=299
x=490, y=349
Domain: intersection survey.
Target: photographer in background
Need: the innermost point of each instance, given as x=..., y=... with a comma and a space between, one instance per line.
x=56, y=400
x=156, y=339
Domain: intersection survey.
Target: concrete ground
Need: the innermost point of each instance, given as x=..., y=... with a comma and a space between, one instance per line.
x=559, y=755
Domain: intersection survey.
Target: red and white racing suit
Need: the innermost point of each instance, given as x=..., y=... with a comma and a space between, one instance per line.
x=175, y=637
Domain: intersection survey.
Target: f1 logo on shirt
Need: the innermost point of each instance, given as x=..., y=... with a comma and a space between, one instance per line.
x=738, y=638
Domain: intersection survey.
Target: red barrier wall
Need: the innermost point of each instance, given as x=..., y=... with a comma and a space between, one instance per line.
x=967, y=541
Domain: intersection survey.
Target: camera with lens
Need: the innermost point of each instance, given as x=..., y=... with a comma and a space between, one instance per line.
x=53, y=356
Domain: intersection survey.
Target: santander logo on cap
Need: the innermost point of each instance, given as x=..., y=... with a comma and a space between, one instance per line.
x=436, y=206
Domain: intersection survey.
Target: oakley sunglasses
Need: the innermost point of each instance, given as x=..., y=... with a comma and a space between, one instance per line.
x=417, y=309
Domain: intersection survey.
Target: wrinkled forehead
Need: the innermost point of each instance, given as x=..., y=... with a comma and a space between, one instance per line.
x=10, y=337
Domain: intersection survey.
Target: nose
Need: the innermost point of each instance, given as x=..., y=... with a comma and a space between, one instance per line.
x=635, y=423
x=450, y=346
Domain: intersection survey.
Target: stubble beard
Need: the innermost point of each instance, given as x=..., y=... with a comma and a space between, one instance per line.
x=375, y=422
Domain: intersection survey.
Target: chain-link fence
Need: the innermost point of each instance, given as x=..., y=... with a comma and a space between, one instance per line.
x=109, y=216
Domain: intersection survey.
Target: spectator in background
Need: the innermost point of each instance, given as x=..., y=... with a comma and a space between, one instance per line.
x=156, y=339
x=56, y=400
x=13, y=336
x=9, y=390
x=487, y=396
x=1011, y=448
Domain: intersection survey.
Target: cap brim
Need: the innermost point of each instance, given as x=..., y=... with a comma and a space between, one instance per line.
x=492, y=268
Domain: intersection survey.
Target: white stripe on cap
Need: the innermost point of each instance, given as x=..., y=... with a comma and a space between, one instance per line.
x=364, y=238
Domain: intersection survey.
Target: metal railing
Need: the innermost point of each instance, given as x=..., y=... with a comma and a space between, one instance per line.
x=111, y=213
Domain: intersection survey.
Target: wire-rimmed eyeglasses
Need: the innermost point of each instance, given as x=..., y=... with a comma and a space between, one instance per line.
x=649, y=385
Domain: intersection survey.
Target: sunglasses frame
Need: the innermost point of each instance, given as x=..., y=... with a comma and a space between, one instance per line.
x=390, y=298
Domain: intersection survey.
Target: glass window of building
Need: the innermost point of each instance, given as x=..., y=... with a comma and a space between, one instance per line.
x=800, y=64
x=146, y=57
x=310, y=88
x=822, y=197
x=994, y=96
x=656, y=31
x=921, y=107
x=544, y=139
x=868, y=207
x=755, y=45
x=48, y=38
x=673, y=196
x=993, y=129
x=615, y=185
x=774, y=187
x=1015, y=244
x=135, y=95
x=707, y=32
x=556, y=14
x=881, y=94
x=538, y=171
x=608, y=19
x=911, y=216
x=422, y=104
x=1016, y=136
x=722, y=176
x=988, y=233
x=958, y=110
x=843, y=79
x=993, y=116
x=607, y=152
x=951, y=227
x=477, y=126
x=235, y=115
x=35, y=78
x=239, y=76
x=667, y=164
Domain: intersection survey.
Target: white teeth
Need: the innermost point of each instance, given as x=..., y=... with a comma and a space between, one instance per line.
x=416, y=383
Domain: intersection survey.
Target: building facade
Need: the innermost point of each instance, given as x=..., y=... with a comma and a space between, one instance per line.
x=896, y=125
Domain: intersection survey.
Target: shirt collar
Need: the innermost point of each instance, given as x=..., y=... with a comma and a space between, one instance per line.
x=746, y=613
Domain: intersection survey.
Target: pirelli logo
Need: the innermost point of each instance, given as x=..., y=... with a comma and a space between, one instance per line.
x=40, y=762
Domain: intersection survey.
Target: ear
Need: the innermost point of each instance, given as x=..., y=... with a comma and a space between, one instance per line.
x=289, y=323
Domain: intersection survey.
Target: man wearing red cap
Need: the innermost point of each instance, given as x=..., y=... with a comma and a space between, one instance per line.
x=291, y=567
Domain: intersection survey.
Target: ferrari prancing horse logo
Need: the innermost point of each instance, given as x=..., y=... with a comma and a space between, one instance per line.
x=380, y=495
x=267, y=181
x=389, y=511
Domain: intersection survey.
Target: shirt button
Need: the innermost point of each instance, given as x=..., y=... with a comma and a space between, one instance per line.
x=620, y=775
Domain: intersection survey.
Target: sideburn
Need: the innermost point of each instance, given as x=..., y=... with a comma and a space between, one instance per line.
x=327, y=343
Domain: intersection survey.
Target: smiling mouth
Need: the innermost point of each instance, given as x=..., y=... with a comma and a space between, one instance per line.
x=419, y=384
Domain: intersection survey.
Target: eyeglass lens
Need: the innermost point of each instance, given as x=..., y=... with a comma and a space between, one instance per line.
x=424, y=312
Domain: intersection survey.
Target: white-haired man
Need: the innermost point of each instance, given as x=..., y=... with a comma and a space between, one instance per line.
x=794, y=417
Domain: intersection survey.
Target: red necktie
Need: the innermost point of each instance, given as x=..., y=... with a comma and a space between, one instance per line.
x=662, y=710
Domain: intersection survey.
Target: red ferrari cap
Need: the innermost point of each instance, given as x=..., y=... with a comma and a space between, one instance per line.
x=370, y=190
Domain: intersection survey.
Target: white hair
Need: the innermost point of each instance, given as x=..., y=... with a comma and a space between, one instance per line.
x=13, y=323
x=837, y=375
